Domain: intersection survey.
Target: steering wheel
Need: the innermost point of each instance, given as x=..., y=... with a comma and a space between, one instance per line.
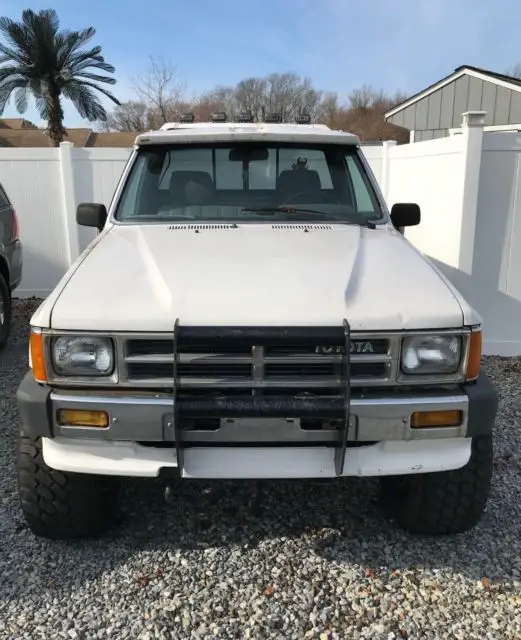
x=291, y=198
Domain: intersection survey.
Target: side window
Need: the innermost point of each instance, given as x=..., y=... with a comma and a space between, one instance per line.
x=316, y=161
x=4, y=202
x=364, y=201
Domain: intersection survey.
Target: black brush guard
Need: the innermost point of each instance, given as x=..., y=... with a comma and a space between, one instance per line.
x=256, y=404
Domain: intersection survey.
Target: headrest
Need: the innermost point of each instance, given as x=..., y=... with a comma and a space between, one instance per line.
x=191, y=187
x=295, y=181
x=182, y=178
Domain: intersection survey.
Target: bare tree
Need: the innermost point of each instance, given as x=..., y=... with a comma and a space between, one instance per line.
x=128, y=116
x=161, y=88
x=329, y=109
x=515, y=71
x=162, y=99
x=221, y=98
x=284, y=93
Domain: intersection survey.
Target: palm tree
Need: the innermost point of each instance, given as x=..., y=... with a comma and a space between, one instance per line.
x=37, y=58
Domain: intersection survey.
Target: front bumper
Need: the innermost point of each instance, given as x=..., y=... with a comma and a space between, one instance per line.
x=147, y=417
x=140, y=438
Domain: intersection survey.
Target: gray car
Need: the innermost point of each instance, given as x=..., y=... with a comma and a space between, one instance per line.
x=10, y=261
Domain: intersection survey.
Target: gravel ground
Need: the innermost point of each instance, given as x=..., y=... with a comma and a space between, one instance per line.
x=278, y=560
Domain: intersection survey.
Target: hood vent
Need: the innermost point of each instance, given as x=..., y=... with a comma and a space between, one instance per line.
x=301, y=227
x=200, y=227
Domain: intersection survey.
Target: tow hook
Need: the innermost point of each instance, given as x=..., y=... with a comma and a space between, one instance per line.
x=169, y=494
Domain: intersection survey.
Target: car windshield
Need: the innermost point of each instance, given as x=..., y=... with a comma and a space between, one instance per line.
x=247, y=182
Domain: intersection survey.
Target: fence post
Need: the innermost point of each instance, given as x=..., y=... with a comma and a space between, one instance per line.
x=472, y=141
x=386, y=166
x=69, y=201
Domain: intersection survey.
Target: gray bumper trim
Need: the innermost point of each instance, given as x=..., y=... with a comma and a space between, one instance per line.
x=150, y=419
x=144, y=417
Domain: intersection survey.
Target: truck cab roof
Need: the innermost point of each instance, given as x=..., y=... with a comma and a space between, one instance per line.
x=197, y=132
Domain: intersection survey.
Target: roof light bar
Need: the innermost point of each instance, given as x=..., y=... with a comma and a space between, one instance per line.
x=187, y=117
x=245, y=116
x=218, y=116
x=272, y=117
x=303, y=118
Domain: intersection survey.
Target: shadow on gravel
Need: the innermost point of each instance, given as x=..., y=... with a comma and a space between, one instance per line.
x=340, y=521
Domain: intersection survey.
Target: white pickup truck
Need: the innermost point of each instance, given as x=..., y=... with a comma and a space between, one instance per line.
x=250, y=309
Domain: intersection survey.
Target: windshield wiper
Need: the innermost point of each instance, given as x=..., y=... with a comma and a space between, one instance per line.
x=370, y=224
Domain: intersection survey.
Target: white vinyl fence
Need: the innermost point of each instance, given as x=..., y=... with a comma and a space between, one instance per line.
x=467, y=185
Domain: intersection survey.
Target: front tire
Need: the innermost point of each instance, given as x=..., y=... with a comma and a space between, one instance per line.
x=61, y=505
x=442, y=503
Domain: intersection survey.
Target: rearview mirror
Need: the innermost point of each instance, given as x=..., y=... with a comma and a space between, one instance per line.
x=248, y=154
x=405, y=214
x=91, y=214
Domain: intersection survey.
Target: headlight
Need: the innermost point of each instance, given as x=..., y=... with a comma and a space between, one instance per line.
x=423, y=355
x=83, y=356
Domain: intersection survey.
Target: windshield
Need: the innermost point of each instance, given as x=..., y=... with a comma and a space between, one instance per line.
x=246, y=182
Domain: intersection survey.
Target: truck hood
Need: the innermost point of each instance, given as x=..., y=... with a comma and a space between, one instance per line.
x=141, y=278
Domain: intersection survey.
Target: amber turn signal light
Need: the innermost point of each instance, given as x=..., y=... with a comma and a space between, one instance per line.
x=474, y=360
x=425, y=419
x=83, y=418
x=37, y=356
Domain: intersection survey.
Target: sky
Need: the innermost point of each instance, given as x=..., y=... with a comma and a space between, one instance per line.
x=340, y=44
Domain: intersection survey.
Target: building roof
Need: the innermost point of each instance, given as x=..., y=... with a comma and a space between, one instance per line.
x=500, y=79
x=217, y=132
x=12, y=123
x=22, y=137
x=118, y=139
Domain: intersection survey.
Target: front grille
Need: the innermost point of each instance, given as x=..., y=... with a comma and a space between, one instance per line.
x=263, y=359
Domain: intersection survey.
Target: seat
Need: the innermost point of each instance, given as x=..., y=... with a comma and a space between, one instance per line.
x=294, y=182
x=190, y=188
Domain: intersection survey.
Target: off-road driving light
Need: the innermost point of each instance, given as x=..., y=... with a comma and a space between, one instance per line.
x=434, y=354
x=245, y=116
x=303, y=118
x=187, y=117
x=272, y=117
x=426, y=419
x=83, y=356
x=83, y=418
x=219, y=116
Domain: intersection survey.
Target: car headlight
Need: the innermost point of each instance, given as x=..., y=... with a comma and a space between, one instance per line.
x=83, y=356
x=423, y=355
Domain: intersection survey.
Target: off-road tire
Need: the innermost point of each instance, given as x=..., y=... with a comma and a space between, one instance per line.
x=5, y=297
x=61, y=505
x=443, y=503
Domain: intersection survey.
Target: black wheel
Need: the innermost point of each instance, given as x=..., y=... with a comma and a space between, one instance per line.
x=60, y=505
x=442, y=503
x=5, y=311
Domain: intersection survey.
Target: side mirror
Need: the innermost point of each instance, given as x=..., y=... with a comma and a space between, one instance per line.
x=90, y=214
x=404, y=214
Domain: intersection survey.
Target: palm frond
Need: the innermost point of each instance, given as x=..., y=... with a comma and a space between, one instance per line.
x=20, y=99
x=96, y=62
x=7, y=88
x=6, y=72
x=101, y=90
x=95, y=76
x=85, y=101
